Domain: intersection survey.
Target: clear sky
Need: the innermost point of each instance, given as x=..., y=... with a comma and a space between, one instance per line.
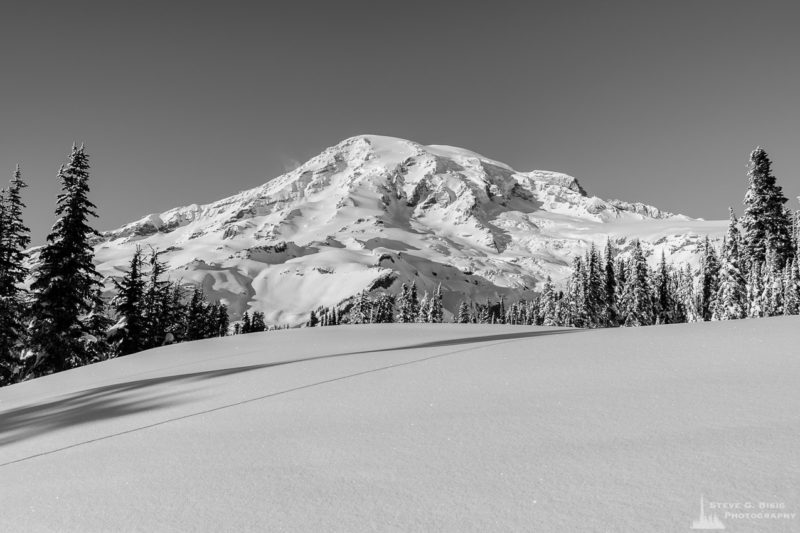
x=188, y=102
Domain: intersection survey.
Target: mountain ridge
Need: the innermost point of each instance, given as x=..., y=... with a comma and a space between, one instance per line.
x=374, y=211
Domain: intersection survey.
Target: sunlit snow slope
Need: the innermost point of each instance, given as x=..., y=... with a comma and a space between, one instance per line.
x=373, y=212
x=412, y=428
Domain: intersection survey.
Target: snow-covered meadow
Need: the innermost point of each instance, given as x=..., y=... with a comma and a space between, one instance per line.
x=416, y=427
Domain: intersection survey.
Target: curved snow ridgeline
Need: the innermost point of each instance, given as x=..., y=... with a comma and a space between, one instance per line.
x=376, y=211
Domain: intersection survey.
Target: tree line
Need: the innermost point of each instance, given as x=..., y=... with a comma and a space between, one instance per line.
x=61, y=319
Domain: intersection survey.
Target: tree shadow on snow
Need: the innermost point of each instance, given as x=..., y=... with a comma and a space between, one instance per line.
x=123, y=399
x=91, y=405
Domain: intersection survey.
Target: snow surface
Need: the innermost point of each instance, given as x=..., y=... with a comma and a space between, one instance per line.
x=379, y=211
x=412, y=428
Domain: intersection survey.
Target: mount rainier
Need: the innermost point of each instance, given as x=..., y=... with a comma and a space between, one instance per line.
x=373, y=212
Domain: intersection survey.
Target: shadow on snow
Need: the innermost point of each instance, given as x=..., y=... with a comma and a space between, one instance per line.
x=110, y=401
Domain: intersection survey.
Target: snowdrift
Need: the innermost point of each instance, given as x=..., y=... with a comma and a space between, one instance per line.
x=413, y=428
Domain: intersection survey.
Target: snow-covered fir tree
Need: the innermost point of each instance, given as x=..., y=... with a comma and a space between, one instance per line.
x=66, y=281
x=755, y=291
x=731, y=297
x=764, y=222
x=257, y=322
x=611, y=317
x=223, y=321
x=161, y=312
x=405, y=308
x=708, y=281
x=685, y=294
x=360, y=311
x=637, y=301
x=547, y=307
x=791, y=288
x=247, y=324
x=435, y=307
x=463, y=313
x=195, y=315
x=574, y=304
x=423, y=315
x=773, y=289
x=663, y=306
x=594, y=291
x=14, y=240
x=621, y=270
x=129, y=306
x=383, y=309
x=97, y=325
x=413, y=299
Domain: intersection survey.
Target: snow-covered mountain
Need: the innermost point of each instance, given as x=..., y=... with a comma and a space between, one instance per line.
x=374, y=212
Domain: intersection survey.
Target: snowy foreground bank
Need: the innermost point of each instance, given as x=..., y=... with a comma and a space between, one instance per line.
x=415, y=428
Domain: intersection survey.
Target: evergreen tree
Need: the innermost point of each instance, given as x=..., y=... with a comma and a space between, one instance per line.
x=679, y=314
x=97, y=325
x=686, y=294
x=574, y=304
x=547, y=306
x=8, y=333
x=755, y=291
x=258, y=324
x=423, y=315
x=195, y=316
x=64, y=288
x=247, y=326
x=484, y=315
x=594, y=292
x=413, y=300
x=773, y=290
x=512, y=314
x=359, y=313
x=637, y=304
x=313, y=321
x=663, y=299
x=709, y=281
x=383, y=309
x=223, y=322
x=610, y=285
x=732, y=293
x=160, y=311
x=14, y=240
x=129, y=305
x=621, y=269
x=563, y=317
x=436, y=310
x=463, y=313
x=791, y=287
x=404, y=305
x=173, y=325
x=764, y=222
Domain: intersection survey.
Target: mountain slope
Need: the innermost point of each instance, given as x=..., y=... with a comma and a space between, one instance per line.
x=377, y=211
x=412, y=428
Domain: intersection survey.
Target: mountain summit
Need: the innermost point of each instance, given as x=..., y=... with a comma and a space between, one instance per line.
x=374, y=212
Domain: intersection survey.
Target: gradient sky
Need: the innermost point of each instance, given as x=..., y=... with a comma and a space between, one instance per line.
x=188, y=102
